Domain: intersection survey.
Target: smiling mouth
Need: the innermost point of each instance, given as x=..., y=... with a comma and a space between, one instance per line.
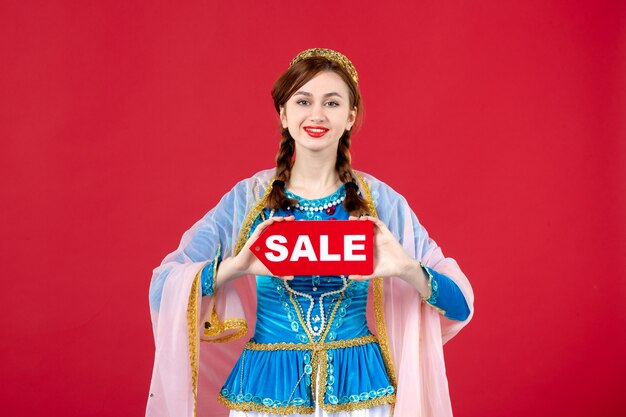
x=315, y=132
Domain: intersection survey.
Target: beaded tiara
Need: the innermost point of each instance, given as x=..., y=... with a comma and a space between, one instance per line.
x=331, y=55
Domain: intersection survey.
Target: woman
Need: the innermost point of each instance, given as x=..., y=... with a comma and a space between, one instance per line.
x=312, y=351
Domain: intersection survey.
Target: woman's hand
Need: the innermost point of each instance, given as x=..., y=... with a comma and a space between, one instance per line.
x=245, y=262
x=390, y=259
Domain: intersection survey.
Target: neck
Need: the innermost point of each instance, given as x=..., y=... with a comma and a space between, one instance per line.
x=313, y=176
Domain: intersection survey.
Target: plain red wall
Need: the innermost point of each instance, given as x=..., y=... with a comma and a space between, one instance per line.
x=122, y=123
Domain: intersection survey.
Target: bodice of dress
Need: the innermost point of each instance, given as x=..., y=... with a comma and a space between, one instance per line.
x=309, y=327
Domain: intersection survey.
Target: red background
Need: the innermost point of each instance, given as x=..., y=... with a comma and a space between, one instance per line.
x=122, y=123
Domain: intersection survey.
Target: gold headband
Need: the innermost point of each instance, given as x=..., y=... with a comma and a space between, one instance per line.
x=331, y=55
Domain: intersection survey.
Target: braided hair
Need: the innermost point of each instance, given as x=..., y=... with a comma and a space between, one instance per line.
x=295, y=77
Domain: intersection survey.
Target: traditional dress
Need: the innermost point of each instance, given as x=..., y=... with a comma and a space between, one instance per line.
x=312, y=349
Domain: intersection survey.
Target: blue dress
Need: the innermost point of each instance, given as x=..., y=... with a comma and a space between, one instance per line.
x=314, y=328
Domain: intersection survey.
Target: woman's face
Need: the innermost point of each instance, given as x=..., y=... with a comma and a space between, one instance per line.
x=319, y=113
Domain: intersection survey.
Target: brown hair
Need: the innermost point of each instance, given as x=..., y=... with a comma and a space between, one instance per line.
x=295, y=77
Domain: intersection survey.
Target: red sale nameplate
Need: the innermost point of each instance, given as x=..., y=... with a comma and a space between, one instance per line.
x=317, y=247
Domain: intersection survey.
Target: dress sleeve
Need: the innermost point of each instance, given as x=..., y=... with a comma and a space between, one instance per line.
x=395, y=212
x=182, y=317
x=413, y=332
x=446, y=296
x=201, y=246
x=208, y=274
x=430, y=254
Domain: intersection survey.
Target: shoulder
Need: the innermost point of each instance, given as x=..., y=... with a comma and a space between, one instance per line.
x=264, y=175
x=380, y=192
x=244, y=193
x=256, y=183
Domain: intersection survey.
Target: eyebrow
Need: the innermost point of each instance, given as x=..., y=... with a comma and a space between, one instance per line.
x=304, y=93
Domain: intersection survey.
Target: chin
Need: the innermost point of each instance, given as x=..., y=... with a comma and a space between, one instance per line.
x=318, y=144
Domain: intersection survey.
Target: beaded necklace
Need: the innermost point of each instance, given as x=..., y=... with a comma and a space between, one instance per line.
x=311, y=207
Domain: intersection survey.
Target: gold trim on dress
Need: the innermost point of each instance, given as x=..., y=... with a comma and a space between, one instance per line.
x=302, y=409
x=260, y=408
x=319, y=364
x=379, y=308
x=192, y=337
x=304, y=326
x=386, y=399
x=215, y=265
x=217, y=329
x=318, y=348
x=251, y=217
x=335, y=344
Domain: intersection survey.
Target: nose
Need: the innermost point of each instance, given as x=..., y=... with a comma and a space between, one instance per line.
x=317, y=113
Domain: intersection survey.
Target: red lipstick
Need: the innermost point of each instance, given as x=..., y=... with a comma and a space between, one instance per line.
x=316, y=131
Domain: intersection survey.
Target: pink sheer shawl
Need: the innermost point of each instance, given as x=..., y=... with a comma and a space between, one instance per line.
x=198, y=339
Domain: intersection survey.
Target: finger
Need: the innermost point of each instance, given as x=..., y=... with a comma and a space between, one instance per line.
x=362, y=277
x=286, y=277
x=262, y=226
x=269, y=221
x=377, y=222
x=353, y=218
x=290, y=218
x=259, y=229
x=374, y=220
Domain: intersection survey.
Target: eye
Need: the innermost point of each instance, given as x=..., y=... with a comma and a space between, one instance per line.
x=302, y=102
x=332, y=104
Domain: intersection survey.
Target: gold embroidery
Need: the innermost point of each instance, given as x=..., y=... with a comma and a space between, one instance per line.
x=301, y=409
x=216, y=329
x=319, y=364
x=330, y=321
x=368, y=195
x=192, y=337
x=322, y=362
x=295, y=306
x=357, y=341
x=335, y=344
x=252, y=215
x=386, y=399
x=332, y=315
x=215, y=262
x=260, y=408
x=319, y=361
x=379, y=310
x=322, y=366
x=317, y=350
